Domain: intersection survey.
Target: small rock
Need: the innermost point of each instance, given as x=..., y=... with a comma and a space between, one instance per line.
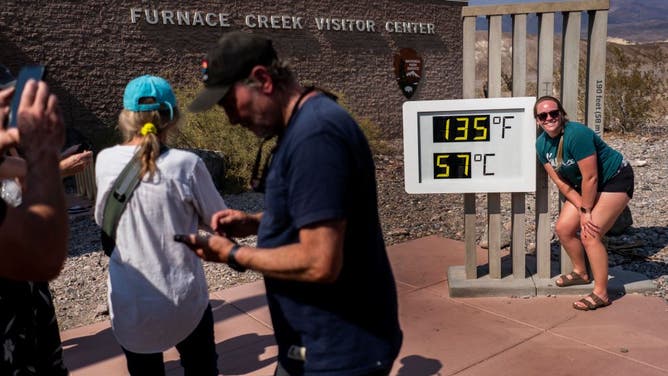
x=638, y=163
x=399, y=232
x=101, y=310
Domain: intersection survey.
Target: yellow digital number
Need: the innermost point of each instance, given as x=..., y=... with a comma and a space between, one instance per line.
x=464, y=128
x=467, y=161
x=480, y=128
x=447, y=130
x=444, y=165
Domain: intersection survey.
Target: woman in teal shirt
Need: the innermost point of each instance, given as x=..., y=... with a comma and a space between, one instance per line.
x=597, y=183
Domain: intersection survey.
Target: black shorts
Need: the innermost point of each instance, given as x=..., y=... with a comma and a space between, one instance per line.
x=622, y=181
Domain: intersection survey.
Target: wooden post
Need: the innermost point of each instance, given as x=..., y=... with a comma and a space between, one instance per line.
x=468, y=87
x=570, y=67
x=545, y=73
x=518, y=200
x=598, y=30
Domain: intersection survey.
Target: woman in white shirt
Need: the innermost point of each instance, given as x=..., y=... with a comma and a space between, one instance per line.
x=158, y=296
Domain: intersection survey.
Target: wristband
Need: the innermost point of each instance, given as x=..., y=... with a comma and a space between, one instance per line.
x=584, y=210
x=232, y=260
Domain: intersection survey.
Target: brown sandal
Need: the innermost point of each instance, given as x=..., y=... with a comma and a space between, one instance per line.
x=576, y=279
x=589, y=306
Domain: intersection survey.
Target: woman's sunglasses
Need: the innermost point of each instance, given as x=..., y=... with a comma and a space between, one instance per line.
x=553, y=114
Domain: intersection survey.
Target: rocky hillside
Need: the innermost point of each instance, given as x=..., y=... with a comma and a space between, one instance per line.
x=633, y=21
x=640, y=21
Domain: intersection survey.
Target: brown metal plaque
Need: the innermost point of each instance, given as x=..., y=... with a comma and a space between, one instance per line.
x=408, y=70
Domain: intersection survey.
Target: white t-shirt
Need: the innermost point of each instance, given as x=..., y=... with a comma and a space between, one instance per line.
x=157, y=288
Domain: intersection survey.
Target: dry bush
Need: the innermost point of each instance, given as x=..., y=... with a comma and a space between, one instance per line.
x=211, y=130
x=636, y=87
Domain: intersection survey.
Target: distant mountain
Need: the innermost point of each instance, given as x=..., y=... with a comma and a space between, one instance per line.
x=638, y=21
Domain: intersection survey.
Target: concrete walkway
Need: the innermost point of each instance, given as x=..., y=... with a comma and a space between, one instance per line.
x=442, y=335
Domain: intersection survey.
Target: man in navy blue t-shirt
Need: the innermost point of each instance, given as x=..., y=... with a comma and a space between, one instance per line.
x=329, y=283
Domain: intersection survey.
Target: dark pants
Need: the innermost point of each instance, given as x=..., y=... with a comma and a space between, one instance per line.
x=280, y=371
x=198, y=353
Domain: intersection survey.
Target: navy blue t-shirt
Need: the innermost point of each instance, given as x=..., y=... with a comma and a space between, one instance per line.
x=323, y=170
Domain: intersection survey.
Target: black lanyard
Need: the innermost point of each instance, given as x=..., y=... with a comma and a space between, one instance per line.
x=295, y=109
x=258, y=181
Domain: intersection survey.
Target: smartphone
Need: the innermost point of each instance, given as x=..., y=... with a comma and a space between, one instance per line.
x=181, y=238
x=70, y=151
x=6, y=78
x=34, y=72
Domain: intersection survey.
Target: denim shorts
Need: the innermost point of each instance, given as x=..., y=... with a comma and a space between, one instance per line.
x=622, y=181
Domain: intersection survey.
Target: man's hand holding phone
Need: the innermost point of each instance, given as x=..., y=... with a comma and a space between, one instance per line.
x=27, y=73
x=40, y=134
x=208, y=247
x=34, y=110
x=40, y=122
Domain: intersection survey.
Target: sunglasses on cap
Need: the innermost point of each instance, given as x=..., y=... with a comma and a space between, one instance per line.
x=553, y=114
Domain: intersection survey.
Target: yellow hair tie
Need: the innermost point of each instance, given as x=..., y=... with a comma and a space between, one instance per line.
x=148, y=128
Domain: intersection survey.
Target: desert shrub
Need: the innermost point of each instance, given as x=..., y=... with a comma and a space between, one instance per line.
x=211, y=130
x=373, y=132
x=632, y=91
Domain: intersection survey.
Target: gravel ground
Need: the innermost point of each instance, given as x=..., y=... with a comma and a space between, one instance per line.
x=80, y=290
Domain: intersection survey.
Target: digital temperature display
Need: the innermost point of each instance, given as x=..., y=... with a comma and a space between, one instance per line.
x=452, y=165
x=461, y=128
x=470, y=145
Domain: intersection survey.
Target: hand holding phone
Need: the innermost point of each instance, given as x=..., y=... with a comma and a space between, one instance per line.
x=37, y=115
x=206, y=246
x=29, y=72
x=70, y=151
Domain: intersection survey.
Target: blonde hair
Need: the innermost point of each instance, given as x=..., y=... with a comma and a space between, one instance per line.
x=130, y=124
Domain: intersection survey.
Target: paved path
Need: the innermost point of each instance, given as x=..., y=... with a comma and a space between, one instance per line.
x=442, y=335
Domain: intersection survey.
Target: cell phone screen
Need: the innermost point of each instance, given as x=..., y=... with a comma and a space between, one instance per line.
x=35, y=72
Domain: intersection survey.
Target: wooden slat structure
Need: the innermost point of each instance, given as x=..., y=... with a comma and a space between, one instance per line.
x=85, y=182
x=545, y=85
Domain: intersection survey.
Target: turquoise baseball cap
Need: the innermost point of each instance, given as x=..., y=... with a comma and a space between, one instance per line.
x=148, y=86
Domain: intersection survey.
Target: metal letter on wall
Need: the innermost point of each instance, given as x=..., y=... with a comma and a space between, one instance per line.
x=408, y=70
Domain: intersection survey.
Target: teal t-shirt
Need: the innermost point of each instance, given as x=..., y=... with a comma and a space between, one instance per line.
x=579, y=143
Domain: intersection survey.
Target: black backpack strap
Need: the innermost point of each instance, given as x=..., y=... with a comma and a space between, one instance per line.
x=120, y=194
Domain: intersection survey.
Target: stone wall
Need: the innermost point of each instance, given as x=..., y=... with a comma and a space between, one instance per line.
x=92, y=48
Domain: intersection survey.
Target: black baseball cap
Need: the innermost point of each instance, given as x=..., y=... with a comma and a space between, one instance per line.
x=230, y=61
